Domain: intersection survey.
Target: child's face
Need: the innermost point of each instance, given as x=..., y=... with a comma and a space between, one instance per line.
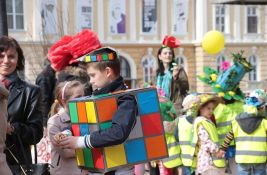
x=207, y=110
x=98, y=79
x=77, y=92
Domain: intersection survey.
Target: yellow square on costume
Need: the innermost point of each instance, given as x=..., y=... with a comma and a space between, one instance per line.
x=80, y=157
x=115, y=156
x=87, y=58
x=90, y=110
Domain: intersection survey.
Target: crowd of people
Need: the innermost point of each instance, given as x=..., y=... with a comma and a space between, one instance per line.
x=218, y=133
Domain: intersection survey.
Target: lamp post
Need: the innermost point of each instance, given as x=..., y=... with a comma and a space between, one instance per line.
x=3, y=18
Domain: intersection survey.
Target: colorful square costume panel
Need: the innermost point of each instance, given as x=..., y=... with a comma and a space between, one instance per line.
x=146, y=141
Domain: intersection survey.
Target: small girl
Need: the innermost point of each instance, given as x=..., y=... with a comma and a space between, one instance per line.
x=63, y=160
x=205, y=138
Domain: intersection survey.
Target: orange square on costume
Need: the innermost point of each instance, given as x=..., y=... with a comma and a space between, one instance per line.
x=110, y=56
x=81, y=112
x=106, y=108
x=152, y=124
x=156, y=147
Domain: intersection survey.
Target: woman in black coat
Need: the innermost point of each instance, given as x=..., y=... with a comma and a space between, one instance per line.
x=24, y=117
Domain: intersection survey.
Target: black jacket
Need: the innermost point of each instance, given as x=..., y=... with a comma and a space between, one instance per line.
x=24, y=114
x=46, y=80
x=122, y=121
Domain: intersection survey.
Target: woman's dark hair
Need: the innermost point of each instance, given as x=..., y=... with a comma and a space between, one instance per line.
x=6, y=43
x=160, y=69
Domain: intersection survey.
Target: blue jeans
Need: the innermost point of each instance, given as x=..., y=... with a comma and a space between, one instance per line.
x=187, y=170
x=249, y=169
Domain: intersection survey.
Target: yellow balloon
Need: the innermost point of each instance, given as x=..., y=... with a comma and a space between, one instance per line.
x=213, y=42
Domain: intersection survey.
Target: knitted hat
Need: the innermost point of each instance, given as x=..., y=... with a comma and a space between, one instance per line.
x=66, y=51
x=226, y=83
x=190, y=104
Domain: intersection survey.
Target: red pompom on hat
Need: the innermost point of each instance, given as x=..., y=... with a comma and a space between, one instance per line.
x=83, y=43
x=171, y=41
x=66, y=51
x=59, y=54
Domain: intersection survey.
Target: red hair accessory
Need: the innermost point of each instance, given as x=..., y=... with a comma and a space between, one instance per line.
x=68, y=49
x=171, y=42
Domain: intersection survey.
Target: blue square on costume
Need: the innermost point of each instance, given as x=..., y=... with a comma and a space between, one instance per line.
x=93, y=58
x=147, y=102
x=84, y=129
x=135, y=150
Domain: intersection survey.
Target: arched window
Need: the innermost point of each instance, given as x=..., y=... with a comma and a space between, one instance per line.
x=252, y=75
x=219, y=60
x=149, y=66
x=125, y=70
x=181, y=59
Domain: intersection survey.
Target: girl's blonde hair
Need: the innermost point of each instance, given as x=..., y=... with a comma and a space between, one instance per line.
x=63, y=91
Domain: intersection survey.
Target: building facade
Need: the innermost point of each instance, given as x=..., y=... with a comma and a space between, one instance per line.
x=136, y=29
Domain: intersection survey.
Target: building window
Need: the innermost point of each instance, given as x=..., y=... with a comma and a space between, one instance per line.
x=125, y=68
x=252, y=20
x=125, y=71
x=219, y=60
x=252, y=76
x=149, y=17
x=220, y=18
x=181, y=59
x=15, y=16
x=149, y=67
x=84, y=14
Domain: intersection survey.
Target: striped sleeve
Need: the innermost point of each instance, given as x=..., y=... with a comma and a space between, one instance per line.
x=227, y=140
x=87, y=141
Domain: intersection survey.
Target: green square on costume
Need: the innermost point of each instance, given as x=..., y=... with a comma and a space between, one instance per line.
x=105, y=57
x=88, y=158
x=105, y=125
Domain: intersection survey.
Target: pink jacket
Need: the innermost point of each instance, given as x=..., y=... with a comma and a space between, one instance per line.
x=62, y=160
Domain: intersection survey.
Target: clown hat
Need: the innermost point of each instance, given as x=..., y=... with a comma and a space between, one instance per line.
x=226, y=83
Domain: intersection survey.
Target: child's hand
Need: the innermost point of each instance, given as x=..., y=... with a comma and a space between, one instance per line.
x=220, y=154
x=59, y=136
x=69, y=142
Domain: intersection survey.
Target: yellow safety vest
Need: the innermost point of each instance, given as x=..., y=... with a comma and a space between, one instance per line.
x=251, y=148
x=211, y=129
x=174, y=151
x=184, y=132
x=224, y=115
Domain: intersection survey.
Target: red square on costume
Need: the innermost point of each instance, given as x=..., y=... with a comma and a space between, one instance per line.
x=98, y=158
x=106, y=108
x=152, y=124
x=99, y=58
x=76, y=129
x=156, y=147
x=81, y=112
